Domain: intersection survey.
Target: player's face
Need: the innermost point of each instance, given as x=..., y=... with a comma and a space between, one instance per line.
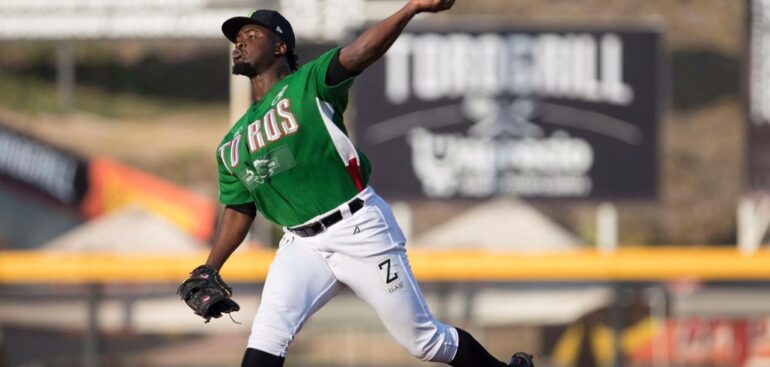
x=254, y=49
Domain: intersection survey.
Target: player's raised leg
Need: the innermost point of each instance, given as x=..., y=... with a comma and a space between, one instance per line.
x=374, y=264
x=405, y=314
x=298, y=284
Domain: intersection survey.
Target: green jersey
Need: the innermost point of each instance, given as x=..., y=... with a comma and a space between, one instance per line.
x=289, y=153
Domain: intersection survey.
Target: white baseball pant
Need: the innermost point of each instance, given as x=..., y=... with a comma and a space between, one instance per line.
x=365, y=252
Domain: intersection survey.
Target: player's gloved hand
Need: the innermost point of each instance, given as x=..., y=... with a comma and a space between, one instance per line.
x=207, y=294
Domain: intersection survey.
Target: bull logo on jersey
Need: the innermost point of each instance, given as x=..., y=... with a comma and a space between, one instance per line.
x=248, y=177
x=264, y=169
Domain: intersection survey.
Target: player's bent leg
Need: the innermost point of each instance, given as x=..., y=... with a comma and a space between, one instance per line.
x=298, y=283
x=387, y=285
x=370, y=258
x=254, y=357
x=433, y=341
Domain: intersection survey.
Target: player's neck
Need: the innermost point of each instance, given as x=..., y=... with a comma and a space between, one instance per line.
x=261, y=83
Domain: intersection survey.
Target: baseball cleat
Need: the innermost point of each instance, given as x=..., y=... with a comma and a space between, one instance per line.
x=521, y=359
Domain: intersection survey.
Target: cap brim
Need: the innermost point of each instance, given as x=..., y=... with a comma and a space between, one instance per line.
x=232, y=26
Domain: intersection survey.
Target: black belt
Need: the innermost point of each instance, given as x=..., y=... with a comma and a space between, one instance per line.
x=312, y=229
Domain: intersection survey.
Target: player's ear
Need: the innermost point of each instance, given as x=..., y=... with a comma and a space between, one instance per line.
x=280, y=48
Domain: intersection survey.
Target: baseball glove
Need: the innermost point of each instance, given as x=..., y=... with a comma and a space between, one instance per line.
x=207, y=294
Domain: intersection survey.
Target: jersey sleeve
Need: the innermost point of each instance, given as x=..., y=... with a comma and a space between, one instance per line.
x=336, y=95
x=231, y=190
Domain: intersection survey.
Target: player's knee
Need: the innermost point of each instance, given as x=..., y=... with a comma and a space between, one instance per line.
x=271, y=339
x=438, y=345
x=420, y=352
x=426, y=351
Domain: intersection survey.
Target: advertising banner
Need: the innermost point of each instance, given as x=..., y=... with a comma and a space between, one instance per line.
x=48, y=170
x=535, y=113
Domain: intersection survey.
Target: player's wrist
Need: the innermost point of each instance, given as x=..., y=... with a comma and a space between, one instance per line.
x=412, y=9
x=211, y=265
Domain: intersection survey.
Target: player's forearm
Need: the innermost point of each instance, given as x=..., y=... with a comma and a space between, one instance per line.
x=375, y=41
x=233, y=227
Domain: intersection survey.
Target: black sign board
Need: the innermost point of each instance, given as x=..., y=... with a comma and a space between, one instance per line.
x=57, y=174
x=532, y=113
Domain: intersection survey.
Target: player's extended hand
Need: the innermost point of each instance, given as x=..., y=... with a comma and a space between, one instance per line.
x=431, y=6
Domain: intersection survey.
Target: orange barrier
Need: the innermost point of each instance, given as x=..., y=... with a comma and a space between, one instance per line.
x=114, y=185
x=634, y=263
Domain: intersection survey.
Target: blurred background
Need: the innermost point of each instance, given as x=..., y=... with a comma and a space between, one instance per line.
x=598, y=168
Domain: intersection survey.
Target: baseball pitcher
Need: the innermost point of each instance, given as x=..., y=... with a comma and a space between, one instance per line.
x=289, y=158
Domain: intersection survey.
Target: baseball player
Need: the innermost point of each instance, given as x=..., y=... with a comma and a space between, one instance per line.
x=290, y=159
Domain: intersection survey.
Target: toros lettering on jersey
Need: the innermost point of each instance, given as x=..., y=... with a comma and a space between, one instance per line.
x=277, y=123
x=234, y=145
x=254, y=136
x=274, y=125
x=271, y=126
x=222, y=156
x=289, y=123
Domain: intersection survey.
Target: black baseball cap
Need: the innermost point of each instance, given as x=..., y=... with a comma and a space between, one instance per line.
x=269, y=19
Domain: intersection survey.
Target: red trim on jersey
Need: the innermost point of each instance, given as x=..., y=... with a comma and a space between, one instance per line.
x=354, y=170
